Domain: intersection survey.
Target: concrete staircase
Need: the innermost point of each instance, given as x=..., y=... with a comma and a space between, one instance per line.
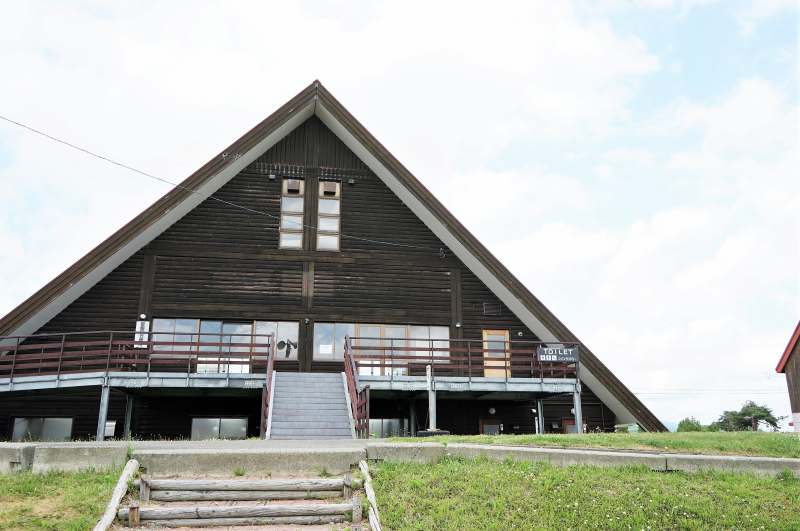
x=307, y=405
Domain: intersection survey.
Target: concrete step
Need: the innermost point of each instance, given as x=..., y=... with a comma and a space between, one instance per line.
x=286, y=391
x=311, y=401
x=309, y=437
x=315, y=376
x=310, y=424
x=311, y=431
x=293, y=409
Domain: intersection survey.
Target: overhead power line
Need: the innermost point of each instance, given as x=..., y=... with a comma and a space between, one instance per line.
x=438, y=251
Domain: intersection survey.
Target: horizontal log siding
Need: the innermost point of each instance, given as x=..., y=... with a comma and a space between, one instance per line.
x=474, y=294
x=209, y=283
x=420, y=295
x=83, y=406
x=171, y=416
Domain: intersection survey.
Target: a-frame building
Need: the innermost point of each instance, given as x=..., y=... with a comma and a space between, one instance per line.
x=271, y=288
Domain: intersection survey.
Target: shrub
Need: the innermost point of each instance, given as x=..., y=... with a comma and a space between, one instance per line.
x=690, y=424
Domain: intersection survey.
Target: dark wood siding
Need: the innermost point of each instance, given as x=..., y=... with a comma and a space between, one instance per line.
x=208, y=285
x=793, y=379
x=81, y=405
x=111, y=304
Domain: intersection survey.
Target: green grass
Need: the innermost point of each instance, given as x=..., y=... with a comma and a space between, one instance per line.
x=730, y=443
x=56, y=500
x=480, y=494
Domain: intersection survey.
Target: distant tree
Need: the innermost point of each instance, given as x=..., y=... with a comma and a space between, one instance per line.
x=750, y=418
x=690, y=424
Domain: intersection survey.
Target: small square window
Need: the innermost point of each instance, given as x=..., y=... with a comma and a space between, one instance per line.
x=328, y=206
x=291, y=240
x=328, y=224
x=291, y=222
x=328, y=242
x=292, y=204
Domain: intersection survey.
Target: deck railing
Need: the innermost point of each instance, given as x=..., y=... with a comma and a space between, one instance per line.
x=386, y=357
x=105, y=351
x=359, y=398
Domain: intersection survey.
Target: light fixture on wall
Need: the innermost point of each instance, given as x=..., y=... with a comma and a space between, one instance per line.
x=458, y=324
x=492, y=411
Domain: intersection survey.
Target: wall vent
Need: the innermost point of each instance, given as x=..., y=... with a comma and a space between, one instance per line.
x=492, y=309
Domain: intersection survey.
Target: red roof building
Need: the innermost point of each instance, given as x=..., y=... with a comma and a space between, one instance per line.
x=789, y=364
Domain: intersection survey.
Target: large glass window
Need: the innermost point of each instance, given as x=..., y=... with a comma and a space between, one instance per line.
x=328, y=215
x=395, y=341
x=219, y=428
x=42, y=429
x=329, y=340
x=179, y=334
x=292, y=206
x=231, y=344
x=286, y=332
x=224, y=346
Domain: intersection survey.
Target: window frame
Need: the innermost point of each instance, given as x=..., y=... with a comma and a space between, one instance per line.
x=320, y=233
x=293, y=232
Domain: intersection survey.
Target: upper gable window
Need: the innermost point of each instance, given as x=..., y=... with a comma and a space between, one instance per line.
x=292, y=206
x=329, y=211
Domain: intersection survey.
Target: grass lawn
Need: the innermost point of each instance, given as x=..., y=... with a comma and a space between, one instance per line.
x=57, y=500
x=730, y=443
x=481, y=494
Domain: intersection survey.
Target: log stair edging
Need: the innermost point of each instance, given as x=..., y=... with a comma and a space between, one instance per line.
x=168, y=490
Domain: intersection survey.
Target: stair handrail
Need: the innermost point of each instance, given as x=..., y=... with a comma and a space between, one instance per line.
x=359, y=399
x=267, y=390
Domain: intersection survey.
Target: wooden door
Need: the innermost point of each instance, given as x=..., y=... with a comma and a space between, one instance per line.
x=495, y=355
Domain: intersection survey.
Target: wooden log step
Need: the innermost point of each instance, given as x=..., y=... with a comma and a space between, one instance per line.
x=242, y=495
x=244, y=511
x=247, y=484
x=256, y=520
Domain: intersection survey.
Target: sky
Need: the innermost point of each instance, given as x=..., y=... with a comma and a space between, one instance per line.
x=634, y=162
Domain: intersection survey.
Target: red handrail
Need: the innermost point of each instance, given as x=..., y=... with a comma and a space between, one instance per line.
x=457, y=357
x=59, y=354
x=359, y=399
x=267, y=391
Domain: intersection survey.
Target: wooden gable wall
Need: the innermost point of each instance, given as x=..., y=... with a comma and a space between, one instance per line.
x=222, y=262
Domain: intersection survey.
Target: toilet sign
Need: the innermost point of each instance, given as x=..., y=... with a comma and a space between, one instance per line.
x=558, y=354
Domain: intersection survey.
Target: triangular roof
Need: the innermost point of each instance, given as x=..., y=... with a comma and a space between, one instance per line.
x=316, y=100
x=787, y=353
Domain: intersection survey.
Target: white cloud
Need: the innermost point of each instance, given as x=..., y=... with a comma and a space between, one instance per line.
x=757, y=11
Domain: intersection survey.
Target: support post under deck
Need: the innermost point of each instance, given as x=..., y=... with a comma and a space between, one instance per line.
x=576, y=401
x=412, y=417
x=540, y=415
x=431, y=400
x=102, y=415
x=126, y=433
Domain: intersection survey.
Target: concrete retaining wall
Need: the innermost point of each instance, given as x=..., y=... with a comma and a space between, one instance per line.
x=78, y=456
x=560, y=457
x=406, y=452
x=16, y=456
x=291, y=457
x=253, y=461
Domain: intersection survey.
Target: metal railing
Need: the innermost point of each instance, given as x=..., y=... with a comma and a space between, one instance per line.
x=105, y=351
x=386, y=357
x=359, y=399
